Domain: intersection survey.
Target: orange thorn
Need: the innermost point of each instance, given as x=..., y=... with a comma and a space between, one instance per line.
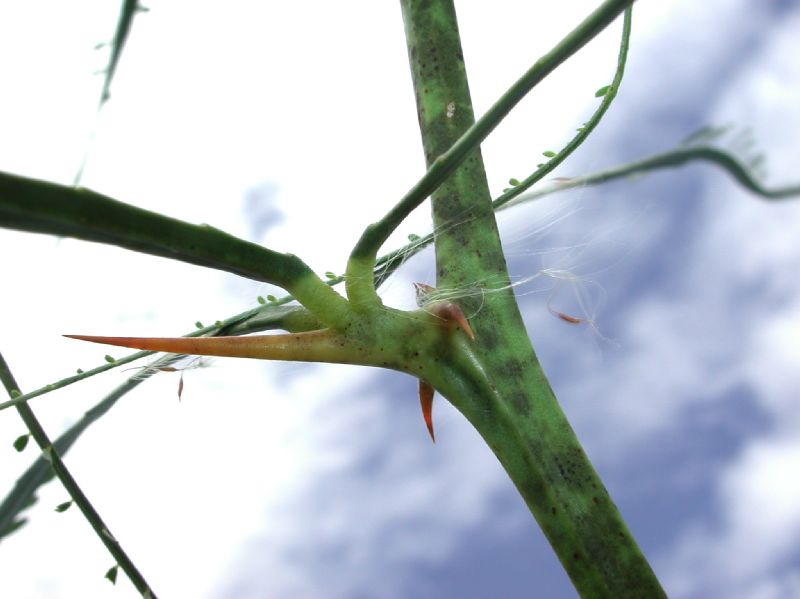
x=426, y=402
x=444, y=310
x=451, y=311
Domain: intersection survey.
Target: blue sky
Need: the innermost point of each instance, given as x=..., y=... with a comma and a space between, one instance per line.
x=275, y=480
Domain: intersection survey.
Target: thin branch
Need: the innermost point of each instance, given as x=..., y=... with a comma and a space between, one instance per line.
x=587, y=128
x=387, y=264
x=362, y=259
x=128, y=11
x=50, y=454
x=293, y=319
x=39, y=472
x=670, y=159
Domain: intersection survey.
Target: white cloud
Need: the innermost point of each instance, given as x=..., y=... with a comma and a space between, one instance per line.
x=744, y=554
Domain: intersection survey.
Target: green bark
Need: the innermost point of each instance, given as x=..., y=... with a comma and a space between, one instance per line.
x=497, y=382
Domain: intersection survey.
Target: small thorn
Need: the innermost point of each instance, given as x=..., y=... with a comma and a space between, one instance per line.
x=451, y=311
x=426, y=402
x=180, y=386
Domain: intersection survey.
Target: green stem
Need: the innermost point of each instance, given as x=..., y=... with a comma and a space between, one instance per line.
x=294, y=319
x=43, y=207
x=127, y=12
x=50, y=454
x=588, y=126
x=497, y=382
x=669, y=159
x=678, y=157
x=363, y=256
x=39, y=472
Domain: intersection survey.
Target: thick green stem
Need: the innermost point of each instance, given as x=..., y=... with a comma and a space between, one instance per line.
x=43, y=207
x=497, y=382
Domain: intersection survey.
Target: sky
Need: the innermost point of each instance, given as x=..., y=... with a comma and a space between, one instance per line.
x=293, y=125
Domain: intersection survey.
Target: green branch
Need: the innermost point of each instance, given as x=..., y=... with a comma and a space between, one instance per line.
x=670, y=159
x=362, y=260
x=51, y=456
x=43, y=207
x=387, y=264
x=127, y=12
x=294, y=319
x=39, y=472
x=610, y=92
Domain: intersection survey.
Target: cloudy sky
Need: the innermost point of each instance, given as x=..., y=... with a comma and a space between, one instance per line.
x=292, y=124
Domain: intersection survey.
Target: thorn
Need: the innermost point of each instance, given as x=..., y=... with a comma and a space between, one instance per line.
x=426, y=402
x=444, y=310
x=180, y=386
x=451, y=311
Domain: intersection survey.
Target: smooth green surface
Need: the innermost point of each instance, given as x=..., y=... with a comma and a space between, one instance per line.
x=42, y=207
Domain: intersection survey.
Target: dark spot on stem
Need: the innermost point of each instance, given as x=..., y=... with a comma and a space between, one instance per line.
x=519, y=400
x=489, y=338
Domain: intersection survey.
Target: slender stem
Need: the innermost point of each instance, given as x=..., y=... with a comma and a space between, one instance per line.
x=675, y=158
x=293, y=319
x=40, y=471
x=588, y=126
x=51, y=455
x=359, y=282
x=127, y=12
x=669, y=159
